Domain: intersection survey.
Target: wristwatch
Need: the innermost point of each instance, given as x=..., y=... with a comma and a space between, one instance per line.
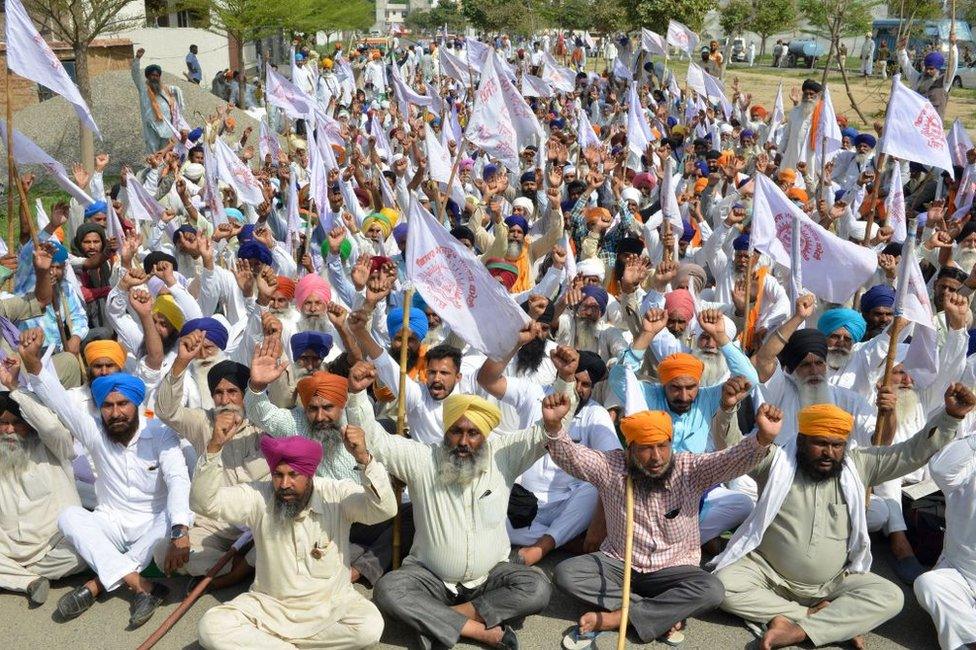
x=177, y=532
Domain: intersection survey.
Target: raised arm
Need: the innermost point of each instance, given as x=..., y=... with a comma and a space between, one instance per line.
x=765, y=359
x=266, y=367
x=373, y=501
x=720, y=466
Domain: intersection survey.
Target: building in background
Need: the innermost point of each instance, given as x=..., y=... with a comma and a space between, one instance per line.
x=393, y=12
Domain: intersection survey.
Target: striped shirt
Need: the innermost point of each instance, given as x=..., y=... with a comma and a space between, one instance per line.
x=665, y=519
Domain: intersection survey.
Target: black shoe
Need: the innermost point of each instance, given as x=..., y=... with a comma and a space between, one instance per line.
x=37, y=591
x=509, y=639
x=192, y=584
x=75, y=602
x=144, y=606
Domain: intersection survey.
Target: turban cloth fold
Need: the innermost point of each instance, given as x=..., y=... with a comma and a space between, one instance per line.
x=644, y=180
x=834, y=319
x=246, y=233
x=105, y=349
x=377, y=262
x=517, y=221
x=378, y=219
x=934, y=60
x=484, y=415
x=592, y=365
x=595, y=214
x=647, y=428
x=298, y=452
x=525, y=203
x=318, y=342
x=95, y=208
x=824, y=420
x=811, y=85
x=400, y=233
x=798, y=194
x=131, y=388
x=286, y=287
x=688, y=271
x=212, y=328
x=153, y=69
x=865, y=138
x=312, y=284
x=185, y=229
x=630, y=245
x=787, y=175
x=334, y=388
x=236, y=373
x=592, y=267
x=504, y=271
x=680, y=303
x=167, y=307
x=84, y=229
x=687, y=231
x=801, y=343
x=60, y=255
x=599, y=294
x=758, y=112
x=9, y=405
x=150, y=261
x=680, y=364
x=255, y=250
x=417, y=322
x=741, y=243
x=880, y=295
x=849, y=132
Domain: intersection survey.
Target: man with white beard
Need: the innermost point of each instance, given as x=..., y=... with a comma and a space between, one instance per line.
x=583, y=325
x=36, y=484
x=860, y=162
x=792, y=367
x=852, y=362
x=793, y=143
x=964, y=252
x=707, y=350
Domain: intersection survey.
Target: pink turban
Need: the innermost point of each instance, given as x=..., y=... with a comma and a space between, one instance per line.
x=298, y=452
x=312, y=285
x=680, y=303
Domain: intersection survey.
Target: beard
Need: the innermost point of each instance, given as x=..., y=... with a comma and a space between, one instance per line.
x=230, y=408
x=813, y=390
x=315, y=323
x=530, y=356
x=121, y=430
x=455, y=469
x=585, y=335
x=906, y=409
x=155, y=85
x=15, y=454
x=286, y=311
x=513, y=251
x=716, y=367
x=837, y=358
x=643, y=478
x=861, y=159
x=285, y=511
x=965, y=258
x=808, y=464
x=807, y=106
x=413, y=356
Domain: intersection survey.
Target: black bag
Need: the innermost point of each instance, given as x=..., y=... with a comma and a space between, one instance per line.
x=522, y=507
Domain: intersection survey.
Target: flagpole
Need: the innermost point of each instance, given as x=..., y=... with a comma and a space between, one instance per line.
x=11, y=168
x=746, y=335
x=401, y=423
x=880, y=168
x=795, y=255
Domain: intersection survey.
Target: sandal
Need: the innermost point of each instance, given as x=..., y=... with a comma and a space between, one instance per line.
x=575, y=640
x=675, y=638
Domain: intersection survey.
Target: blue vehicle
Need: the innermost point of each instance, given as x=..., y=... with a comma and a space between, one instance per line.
x=886, y=31
x=806, y=49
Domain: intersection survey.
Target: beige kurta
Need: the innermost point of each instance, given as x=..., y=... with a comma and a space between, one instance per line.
x=301, y=582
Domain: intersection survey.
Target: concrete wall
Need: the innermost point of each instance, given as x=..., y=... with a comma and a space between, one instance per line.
x=167, y=47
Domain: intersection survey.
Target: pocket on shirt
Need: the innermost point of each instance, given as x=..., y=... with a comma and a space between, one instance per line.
x=35, y=486
x=839, y=521
x=147, y=479
x=326, y=565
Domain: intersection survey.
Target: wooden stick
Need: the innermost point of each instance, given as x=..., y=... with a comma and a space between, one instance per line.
x=874, y=199
x=401, y=424
x=193, y=596
x=628, y=564
x=11, y=167
x=885, y=421
x=746, y=336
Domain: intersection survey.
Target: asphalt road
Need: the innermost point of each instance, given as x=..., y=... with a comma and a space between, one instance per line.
x=103, y=626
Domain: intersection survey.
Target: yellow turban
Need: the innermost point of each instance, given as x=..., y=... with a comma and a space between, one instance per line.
x=105, y=350
x=680, y=364
x=647, y=428
x=484, y=415
x=166, y=306
x=382, y=220
x=825, y=420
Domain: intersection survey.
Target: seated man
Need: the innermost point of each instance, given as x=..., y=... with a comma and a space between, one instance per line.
x=457, y=582
x=142, y=486
x=666, y=585
x=301, y=594
x=36, y=484
x=800, y=564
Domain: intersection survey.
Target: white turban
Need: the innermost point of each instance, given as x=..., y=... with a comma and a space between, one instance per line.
x=730, y=329
x=631, y=194
x=193, y=171
x=524, y=203
x=591, y=267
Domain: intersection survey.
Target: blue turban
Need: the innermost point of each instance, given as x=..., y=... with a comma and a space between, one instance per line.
x=702, y=167
x=599, y=294
x=865, y=138
x=527, y=177
x=488, y=171
x=318, y=342
x=672, y=121
x=185, y=230
x=516, y=220
x=880, y=295
x=212, y=328
x=195, y=134
x=299, y=56
x=687, y=231
x=741, y=243
x=972, y=342
x=557, y=123
x=246, y=233
x=848, y=132
x=934, y=60
x=234, y=214
x=255, y=250
x=131, y=387
x=95, y=208
x=400, y=233
x=839, y=195
x=417, y=323
x=834, y=319
x=60, y=253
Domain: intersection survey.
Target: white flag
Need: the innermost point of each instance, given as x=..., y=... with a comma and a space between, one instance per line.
x=490, y=127
x=330, y=127
x=895, y=208
x=533, y=86
x=639, y=135
x=682, y=37
x=922, y=359
x=268, y=143
x=778, y=115
x=825, y=137
x=287, y=96
x=42, y=218
x=26, y=152
x=832, y=268
x=211, y=195
x=453, y=67
x=29, y=55
x=585, y=135
x=959, y=143
x=913, y=129
x=621, y=70
x=653, y=43
x=294, y=222
x=235, y=172
x=318, y=190
x=561, y=79
x=526, y=124
x=696, y=79
x=456, y=285
x=439, y=163
x=476, y=52
x=406, y=95
x=142, y=206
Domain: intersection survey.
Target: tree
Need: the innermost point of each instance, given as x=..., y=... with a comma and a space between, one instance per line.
x=771, y=17
x=446, y=13
x=78, y=24
x=521, y=17
x=736, y=17
x=914, y=14
x=609, y=16
x=656, y=13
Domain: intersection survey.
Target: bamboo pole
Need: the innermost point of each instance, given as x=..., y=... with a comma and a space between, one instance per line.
x=401, y=424
x=746, y=335
x=11, y=168
x=628, y=564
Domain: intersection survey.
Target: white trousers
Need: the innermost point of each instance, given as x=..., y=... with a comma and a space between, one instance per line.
x=562, y=520
x=723, y=510
x=951, y=602
x=884, y=509
x=58, y=562
x=867, y=67
x=111, y=546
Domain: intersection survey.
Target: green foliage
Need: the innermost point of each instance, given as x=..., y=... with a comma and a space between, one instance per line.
x=772, y=16
x=736, y=17
x=521, y=17
x=446, y=12
x=241, y=19
x=655, y=14
x=836, y=18
x=253, y=19
x=917, y=9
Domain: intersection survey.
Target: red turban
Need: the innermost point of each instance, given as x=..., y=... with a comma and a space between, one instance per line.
x=301, y=454
x=503, y=270
x=333, y=388
x=681, y=303
x=376, y=262
x=286, y=287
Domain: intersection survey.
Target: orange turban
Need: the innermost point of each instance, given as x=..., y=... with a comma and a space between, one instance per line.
x=825, y=420
x=105, y=350
x=787, y=175
x=798, y=194
x=680, y=364
x=286, y=287
x=647, y=428
x=725, y=159
x=700, y=185
x=758, y=112
x=333, y=388
x=594, y=214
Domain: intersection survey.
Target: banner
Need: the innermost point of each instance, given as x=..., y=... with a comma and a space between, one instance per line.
x=653, y=43
x=235, y=172
x=682, y=37
x=26, y=152
x=913, y=129
x=287, y=96
x=490, y=127
x=142, y=206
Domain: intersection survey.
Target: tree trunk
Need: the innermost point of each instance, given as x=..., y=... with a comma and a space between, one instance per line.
x=850, y=95
x=762, y=47
x=239, y=48
x=83, y=77
x=830, y=57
